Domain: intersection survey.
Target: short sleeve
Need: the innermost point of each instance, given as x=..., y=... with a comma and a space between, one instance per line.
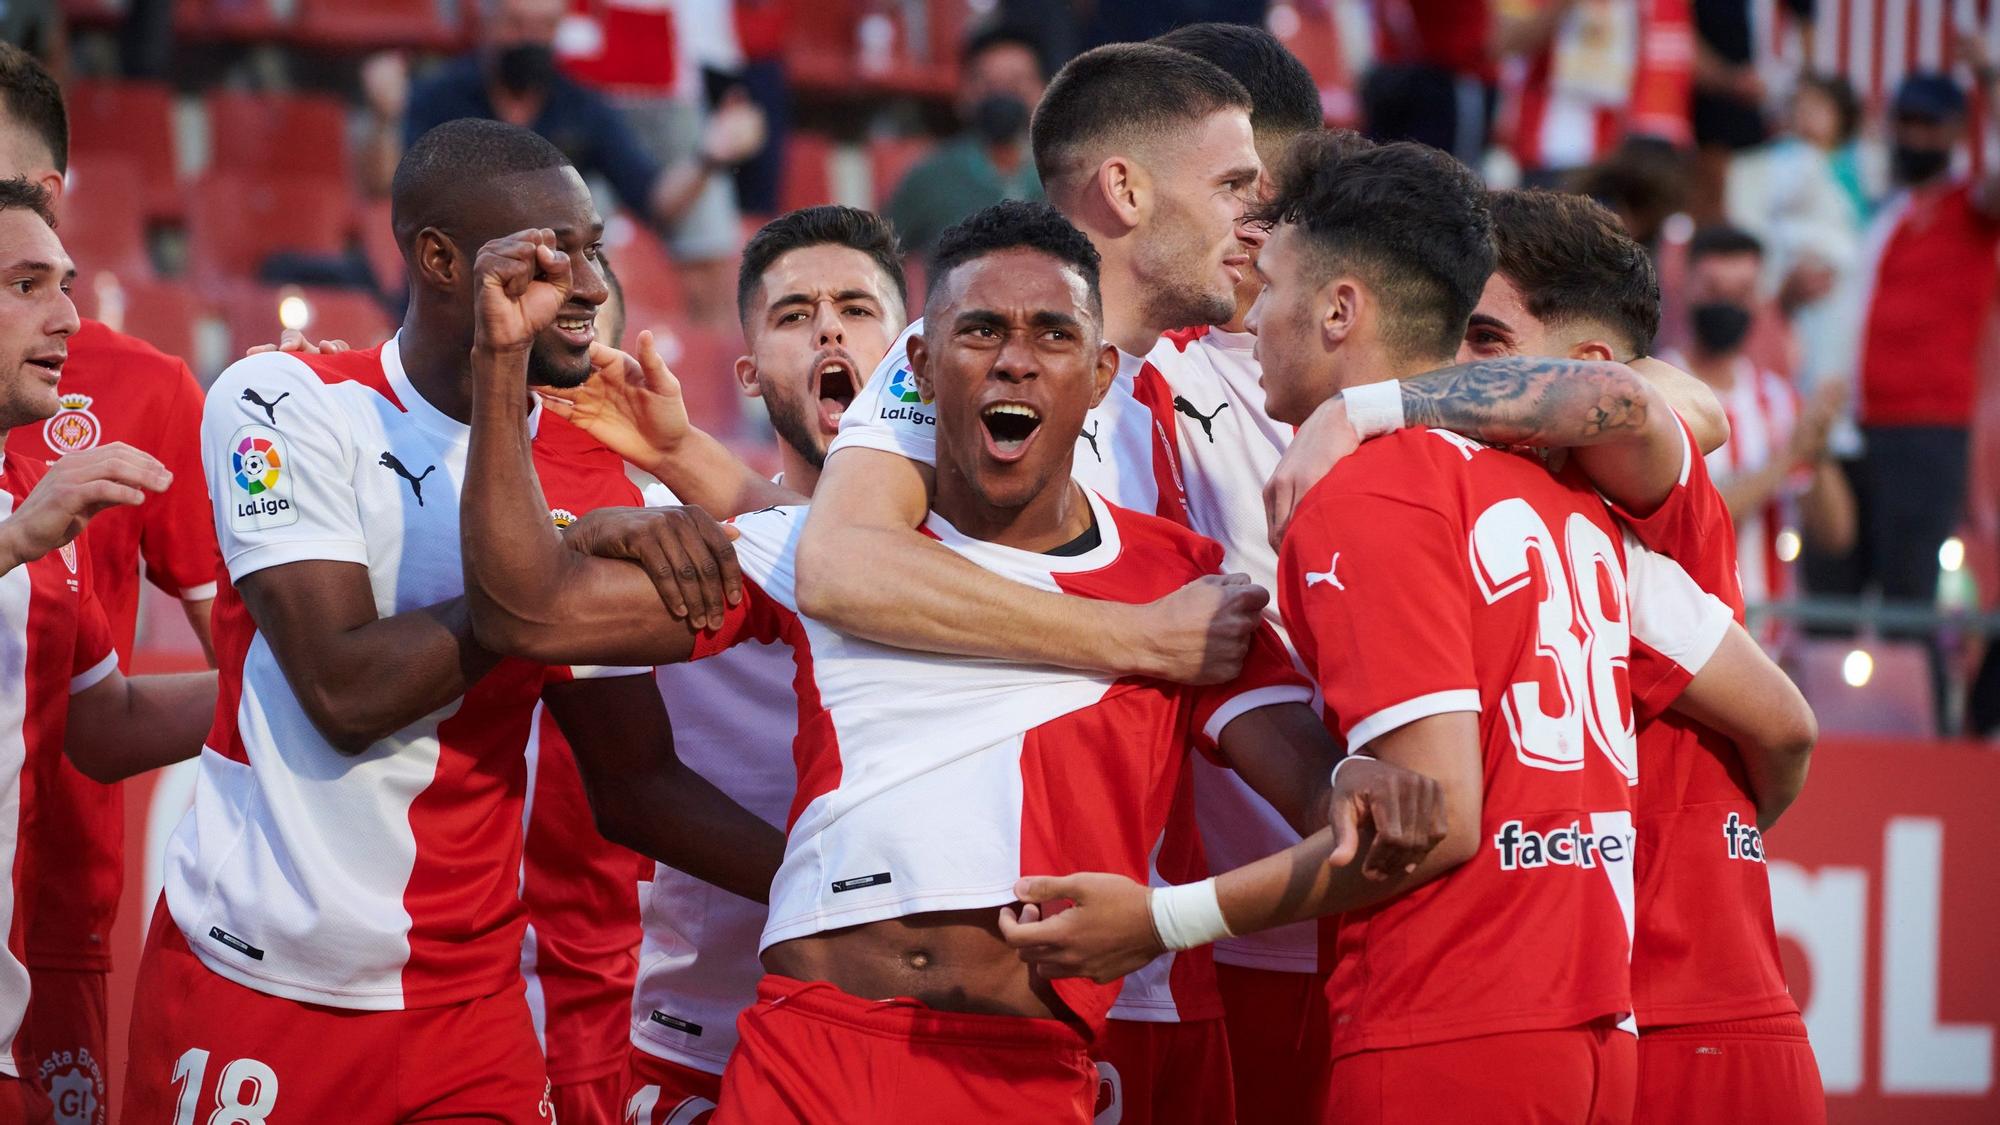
x=1377, y=597
x=281, y=482
x=95, y=656
x=891, y=414
x=766, y=551
x=1268, y=678
x=177, y=533
x=1692, y=526
x=1676, y=627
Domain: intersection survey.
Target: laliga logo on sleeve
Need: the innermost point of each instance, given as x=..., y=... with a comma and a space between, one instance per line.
x=73, y=428
x=263, y=494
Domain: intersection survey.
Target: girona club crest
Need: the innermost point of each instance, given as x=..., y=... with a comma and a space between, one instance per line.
x=74, y=428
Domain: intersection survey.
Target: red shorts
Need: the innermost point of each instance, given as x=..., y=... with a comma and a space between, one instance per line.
x=663, y=1092
x=594, y=1102
x=61, y=1048
x=247, y=1055
x=1164, y=1073
x=1738, y=1070
x=812, y=1053
x=1577, y=1075
x=1278, y=1042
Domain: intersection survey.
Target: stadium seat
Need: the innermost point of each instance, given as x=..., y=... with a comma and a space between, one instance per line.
x=891, y=158
x=283, y=133
x=808, y=177
x=161, y=313
x=134, y=121
x=234, y=20
x=235, y=221
x=100, y=227
x=252, y=315
x=1895, y=699
x=366, y=25
x=644, y=270
x=378, y=244
x=705, y=363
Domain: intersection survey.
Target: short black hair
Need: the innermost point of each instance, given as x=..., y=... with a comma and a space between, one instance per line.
x=458, y=158
x=826, y=225
x=1284, y=99
x=1722, y=238
x=1018, y=224
x=1123, y=91
x=1408, y=219
x=35, y=101
x=24, y=194
x=1572, y=261
x=1000, y=35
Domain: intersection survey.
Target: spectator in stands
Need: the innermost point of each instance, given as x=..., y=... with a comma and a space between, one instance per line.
x=1589, y=74
x=1000, y=84
x=513, y=77
x=1774, y=472
x=1434, y=76
x=1928, y=287
x=1729, y=93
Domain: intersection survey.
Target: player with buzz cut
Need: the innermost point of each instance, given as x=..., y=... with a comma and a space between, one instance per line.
x=1720, y=1037
x=343, y=898
x=62, y=693
x=928, y=783
x=1474, y=616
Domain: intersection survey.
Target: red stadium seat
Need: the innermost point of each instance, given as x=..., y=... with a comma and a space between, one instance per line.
x=235, y=20
x=1894, y=700
x=163, y=314
x=808, y=179
x=134, y=121
x=705, y=363
x=101, y=228
x=282, y=133
x=366, y=25
x=235, y=221
x=891, y=158
x=252, y=314
x=644, y=270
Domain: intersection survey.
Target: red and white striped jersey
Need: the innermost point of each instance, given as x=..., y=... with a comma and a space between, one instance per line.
x=1763, y=409
x=1229, y=447
x=1022, y=769
x=1612, y=68
x=1431, y=574
x=386, y=879
x=57, y=642
x=735, y=717
x=1127, y=450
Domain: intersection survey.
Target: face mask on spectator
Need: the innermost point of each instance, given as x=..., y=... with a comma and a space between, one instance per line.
x=1720, y=326
x=525, y=68
x=1919, y=165
x=999, y=118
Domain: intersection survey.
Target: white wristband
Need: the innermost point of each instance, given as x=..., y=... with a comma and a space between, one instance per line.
x=1334, y=778
x=1188, y=915
x=1376, y=408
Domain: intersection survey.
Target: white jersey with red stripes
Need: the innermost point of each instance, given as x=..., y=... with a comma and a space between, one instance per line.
x=1763, y=409
x=57, y=643
x=933, y=783
x=385, y=879
x=1229, y=447
x=735, y=716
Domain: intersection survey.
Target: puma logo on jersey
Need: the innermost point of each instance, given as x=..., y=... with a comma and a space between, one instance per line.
x=236, y=943
x=270, y=408
x=678, y=1024
x=1744, y=841
x=1090, y=435
x=1315, y=577
x=1207, y=420
x=880, y=878
x=392, y=463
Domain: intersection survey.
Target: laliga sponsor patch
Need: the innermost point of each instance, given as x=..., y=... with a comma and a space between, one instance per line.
x=903, y=387
x=261, y=481
x=73, y=428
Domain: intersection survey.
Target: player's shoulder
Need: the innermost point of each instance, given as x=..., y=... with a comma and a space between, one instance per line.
x=96, y=347
x=1180, y=339
x=1423, y=468
x=362, y=370
x=1161, y=545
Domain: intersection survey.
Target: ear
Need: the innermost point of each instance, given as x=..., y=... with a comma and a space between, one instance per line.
x=746, y=377
x=920, y=364
x=1341, y=303
x=53, y=182
x=1595, y=350
x=436, y=261
x=1126, y=190
x=1106, y=371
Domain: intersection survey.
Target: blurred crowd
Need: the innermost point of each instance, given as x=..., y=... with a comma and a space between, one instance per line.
x=1813, y=176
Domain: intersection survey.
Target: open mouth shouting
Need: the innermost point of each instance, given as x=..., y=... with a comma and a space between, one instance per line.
x=1010, y=427
x=834, y=384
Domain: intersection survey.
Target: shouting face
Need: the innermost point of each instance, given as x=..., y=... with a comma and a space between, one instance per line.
x=828, y=316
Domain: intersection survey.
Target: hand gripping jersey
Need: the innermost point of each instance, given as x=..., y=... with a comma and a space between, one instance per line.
x=930, y=783
x=56, y=642
x=1229, y=448
x=386, y=879
x=1705, y=947
x=114, y=388
x=1128, y=452
x=1430, y=574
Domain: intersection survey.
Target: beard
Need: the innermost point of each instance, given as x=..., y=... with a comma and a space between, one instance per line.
x=1179, y=292
x=797, y=427
x=546, y=371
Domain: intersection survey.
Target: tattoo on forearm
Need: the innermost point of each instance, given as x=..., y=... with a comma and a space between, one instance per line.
x=1528, y=401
